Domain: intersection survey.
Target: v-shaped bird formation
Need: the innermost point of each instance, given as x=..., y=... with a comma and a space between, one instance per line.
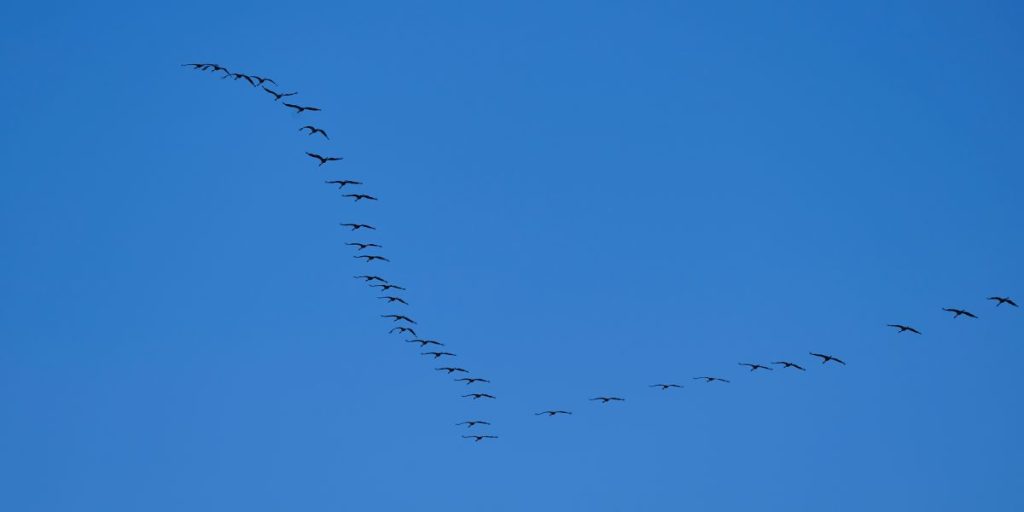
x=404, y=322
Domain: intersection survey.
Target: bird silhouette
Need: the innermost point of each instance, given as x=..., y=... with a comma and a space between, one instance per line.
x=385, y=287
x=215, y=68
x=400, y=317
x=342, y=183
x=479, y=438
x=478, y=395
x=787, y=364
x=754, y=367
x=202, y=67
x=470, y=380
x=551, y=413
x=424, y=343
x=279, y=95
x=300, y=109
x=1003, y=300
x=606, y=399
x=372, y=278
x=240, y=75
x=402, y=330
x=958, y=312
x=472, y=423
x=391, y=299
x=826, y=358
x=314, y=130
x=324, y=159
x=710, y=379
x=360, y=246
x=664, y=386
x=437, y=355
x=451, y=370
x=904, y=328
x=262, y=79
x=360, y=196
x=359, y=226
x=371, y=257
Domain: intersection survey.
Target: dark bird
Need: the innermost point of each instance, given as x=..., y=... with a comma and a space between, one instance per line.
x=372, y=278
x=1004, y=300
x=215, y=68
x=787, y=364
x=606, y=399
x=478, y=438
x=371, y=257
x=826, y=358
x=240, y=75
x=437, y=355
x=958, y=312
x=314, y=130
x=300, y=109
x=279, y=95
x=391, y=299
x=471, y=423
x=359, y=226
x=261, y=79
x=904, y=328
x=710, y=379
x=386, y=287
x=424, y=343
x=362, y=246
x=551, y=413
x=470, y=380
x=197, y=66
x=324, y=159
x=400, y=317
x=342, y=183
x=478, y=395
x=360, y=196
x=755, y=366
x=451, y=370
x=664, y=386
x=402, y=330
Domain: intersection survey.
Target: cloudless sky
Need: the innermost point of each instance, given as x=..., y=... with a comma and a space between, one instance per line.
x=582, y=198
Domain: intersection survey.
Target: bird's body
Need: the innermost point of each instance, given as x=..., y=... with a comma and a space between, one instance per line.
x=477, y=396
x=241, y=75
x=279, y=95
x=787, y=364
x=359, y=197
x=1004, y=300
x=324, y=159
x=402, y=330
x=606, y=399
x=342, y=183
x=957, y=312
x=300, y=109
x=385, y=287
x=479, y=438
x=451, y=370
x=391, y=299
x=711, y=379
x=313, y=130
x=371, y=257
x=903, y=328
x=472, y=423
x=664, y=387
x=399, y=317
x=826, y=358
x=372, y=278
x=470, y=380
x=437, y=355
x=359, y=226
x=360, y=246
x=551, y=413
x=754, y=366
x=424, y=343
x=261, y=79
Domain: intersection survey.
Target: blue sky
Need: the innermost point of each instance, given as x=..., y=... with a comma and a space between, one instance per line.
x=582, y=198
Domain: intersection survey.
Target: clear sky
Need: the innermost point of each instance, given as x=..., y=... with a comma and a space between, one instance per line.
x=582, y=198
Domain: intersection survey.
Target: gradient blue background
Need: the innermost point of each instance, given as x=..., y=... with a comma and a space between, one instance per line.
x=582, y=197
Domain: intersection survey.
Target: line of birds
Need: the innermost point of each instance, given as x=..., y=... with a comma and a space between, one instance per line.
x=406, y=323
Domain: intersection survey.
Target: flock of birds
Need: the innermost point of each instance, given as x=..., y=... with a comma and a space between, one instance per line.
x=402, y=324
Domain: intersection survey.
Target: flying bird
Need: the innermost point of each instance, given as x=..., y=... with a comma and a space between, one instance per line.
x=470, y=380
x=400, y=317
x=391, y=299
x=342, y=183
x=710, y=379
x=664, y=386
x=437, y=355
x=424, y=343
x=755, y=366
x=471, y=423
x=371, y=257
x=451, y=370
x=958, y=312
x=279, y=95
x=314, y=130
x=240, y=75
x=904, y=328
x=372, y=278
x=362, y=246
x=402, y=330
x=360, y=196
x=197, y=66
x=826, y=358
x=1004, y=300
x=787, y=364
x=478, y=438
x=358, y=226
x=478, y=395
x=385, y=287
x=606, y=399
x=261, y=79
x=551, y=413
x=324, y=159
x=300, y=109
